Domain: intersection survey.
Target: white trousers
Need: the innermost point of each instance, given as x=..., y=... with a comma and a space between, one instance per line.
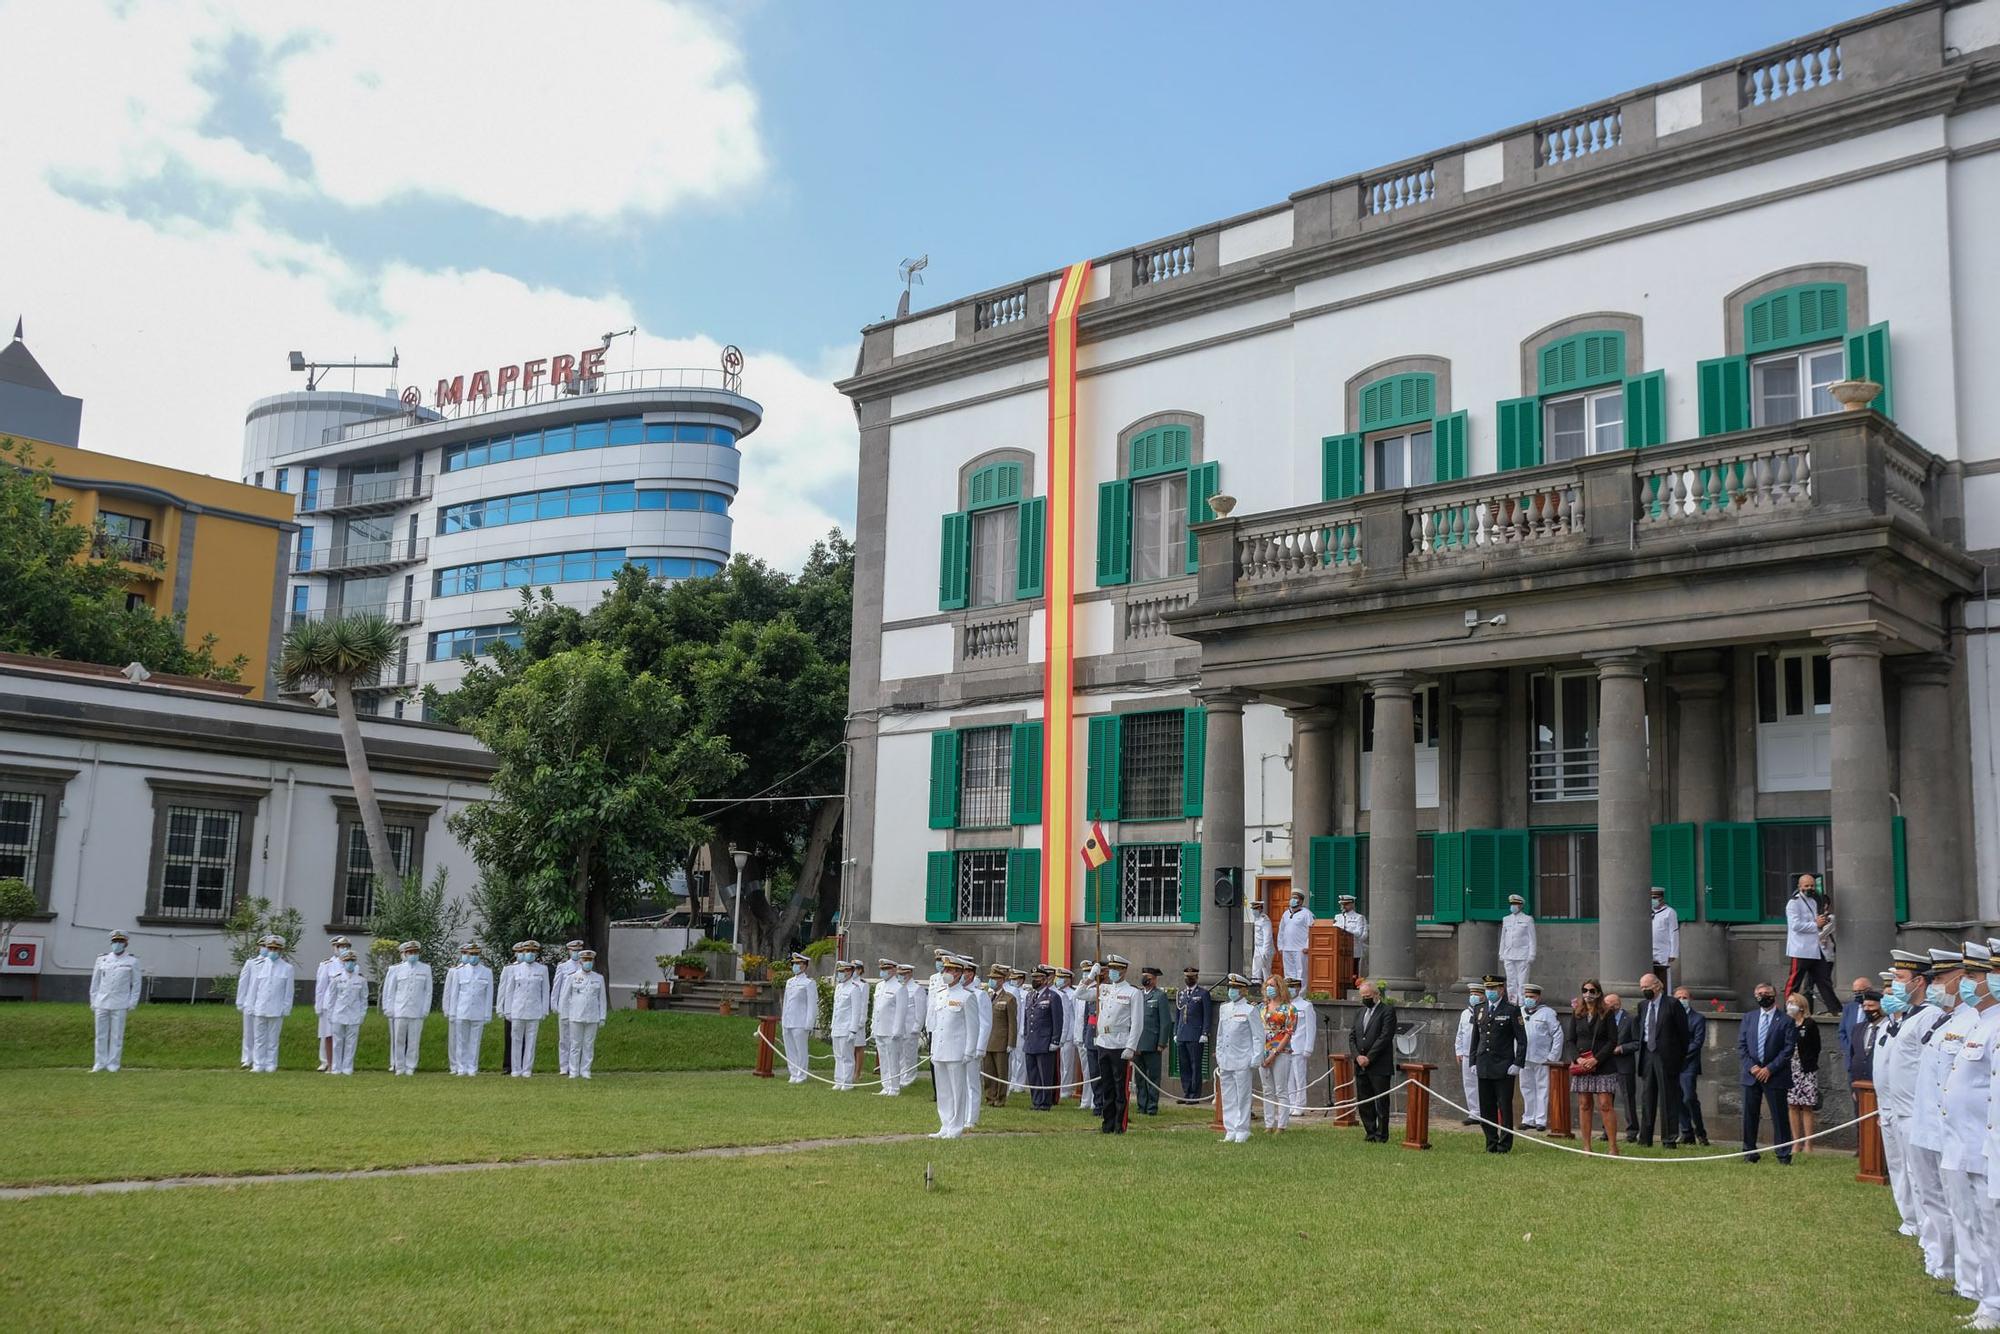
x=249, y=1039
x=975, y=1085
x=797, y=1049
x=951, y=1095
x=464, y=1044
x=1301, y=1075
x=110, y=1038
x=1235, y=1085
x=344, y=1037
x=1534, y=1094
x=1295, y=964
x=843, y=1061
x=521, y=1057
x=1260, y=965
x=404, y=1037
x=1934, y=1230
x=1966, y=1193
x=565, y=1044
x=894, y=1065
x=1069, y=1069
x=1017, y=1070
x=586, y=1048
x=1469, y=1080
x=1278, y=1088
x=1896, y=1154
x=264, y=1043
x=1517, y=977
x=325, y=1026
x=906, y=1061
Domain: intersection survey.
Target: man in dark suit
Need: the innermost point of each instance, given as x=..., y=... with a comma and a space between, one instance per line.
x=1156, y=1030
x=1852, y=1018
x=1693, y=1129
x=1042, y=1023
x=1764, y=1051
x=1499, y=1046
x=1372, y=1040
x=1628, y=1060
x=1193, y=1012
x=1861, y=1057
x=1663, y=1037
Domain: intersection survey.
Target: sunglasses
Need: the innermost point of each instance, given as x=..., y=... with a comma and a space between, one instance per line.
x=1592, y=991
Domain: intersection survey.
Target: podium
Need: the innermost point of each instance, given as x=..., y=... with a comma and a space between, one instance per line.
x=1873, y=1165
x=1417, y=1104
x=1342, y=1064
x=1559, y=1106
x=1329, y=961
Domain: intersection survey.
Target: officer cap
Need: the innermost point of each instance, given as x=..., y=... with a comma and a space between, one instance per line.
x=347, y=956
x=341, y=940
x=1516, y=898
x=1088, y=963
x=1065, y=974
x=940, y=953
x=1492, y=981
x=1475, y=988
x=534, y=945
x=1531, y=989
x=119, y=935
x=1237, y=980
x=470, y=947
x=885, y=963
x=906, y=968
x=1018, y=974
x=1000, y=970
x=800, y=958
x=1978, y=959
x=1945, y=960
x=1192, y=969
x=1345, y=898
x=1993, y=946
x=1149, y=972
x=1657, y=892
x=586, y=954
x=410, y=947
x=1043, y=970
x=1871, y=994
x=1116, y=961
x=573, y=945
x=1915, y=963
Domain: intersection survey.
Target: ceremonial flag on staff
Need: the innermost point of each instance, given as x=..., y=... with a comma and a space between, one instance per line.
x=1096, y=847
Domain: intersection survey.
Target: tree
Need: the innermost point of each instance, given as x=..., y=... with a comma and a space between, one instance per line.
x=590, y=799
x=62, y=588
x=411, y=908
x=17, y=904
x=248, y=924
x=340, y=654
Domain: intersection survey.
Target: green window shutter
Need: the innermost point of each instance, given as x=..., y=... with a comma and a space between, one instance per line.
x=1100, y=893
x=944, y=780
x=1448, y=877
x=1162, y=449
x=1333, y=868
x=1024, y=884
x=1729, y=857
x=954, y=561
x=940, y=887
x=1033, y=532
x=1339, y=467
x=1794, y=316
x=1101, y=783
x=1673, y=866
x=1516, y=858
x=995, y=484
x=1581, y=360
x=1868, y=359
x=1899, y=850
x=1025, y=775
x=1724, y=385
x=1191, y=883
x=1519, y=425
x=1646, y=410
x=1448, y=440
x=1496, y=865
x=1397, y=400
x=1194, y=759
x=1204, y=480
x=1114, y=533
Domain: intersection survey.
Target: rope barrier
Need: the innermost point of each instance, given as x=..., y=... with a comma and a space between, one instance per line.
x=1338, y=1105
x=908, y=1075
x=1634, y=1158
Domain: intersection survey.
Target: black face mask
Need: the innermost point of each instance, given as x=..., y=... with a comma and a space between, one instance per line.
x=1369, y=1002
x=1766, y=1002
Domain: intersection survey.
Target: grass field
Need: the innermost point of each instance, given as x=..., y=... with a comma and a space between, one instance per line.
x=1044, y=1230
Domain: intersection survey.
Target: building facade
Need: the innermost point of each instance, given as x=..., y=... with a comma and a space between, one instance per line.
x=1483, y=524
x=440, y=520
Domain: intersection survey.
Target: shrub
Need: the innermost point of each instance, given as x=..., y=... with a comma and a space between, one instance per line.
x=820, y=948
x=415, y=910
x=249, y=923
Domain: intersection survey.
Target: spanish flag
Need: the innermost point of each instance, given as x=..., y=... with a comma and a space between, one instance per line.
x=1096, y=847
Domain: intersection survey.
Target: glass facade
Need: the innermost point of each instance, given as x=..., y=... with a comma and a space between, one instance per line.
x=677, y=567
x=474, y=639
x=563, y=502
x=579, y=436
x=561, y=567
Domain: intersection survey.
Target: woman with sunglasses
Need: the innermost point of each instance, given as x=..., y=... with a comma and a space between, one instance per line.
x=1596, y=1068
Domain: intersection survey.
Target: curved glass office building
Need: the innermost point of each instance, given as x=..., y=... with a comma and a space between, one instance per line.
x=439, y=521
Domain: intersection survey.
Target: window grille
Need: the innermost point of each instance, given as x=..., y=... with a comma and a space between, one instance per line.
x=986, y=766
x=1150, y=766
x=982, y=886
x=1149, y=880
x=198, y=871
x=20, y=834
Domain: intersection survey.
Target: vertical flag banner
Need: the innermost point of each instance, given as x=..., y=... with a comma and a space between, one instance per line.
x=1059, y=832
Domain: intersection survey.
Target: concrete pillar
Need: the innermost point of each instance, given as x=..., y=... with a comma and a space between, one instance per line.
x=1476, y=797
x=1699, y=741
x=1392, y=837
x=1863, y=889
x=1930, y=791
x=1315, y=739
x=1220, y=938
x=1624, y=827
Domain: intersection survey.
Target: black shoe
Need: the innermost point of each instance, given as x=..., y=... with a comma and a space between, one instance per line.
x=1670, y=1144
x=1703, y=1141
x=1750, y=1157
x=1470, y=1121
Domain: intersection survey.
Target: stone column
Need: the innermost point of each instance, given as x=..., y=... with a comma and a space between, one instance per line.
x=1701, y=795
x=1930, y=796
x=1863, y=889
x=1476, y=798
x=1392, y=837
x=1220, y=938
x=1313, y=748
x=1624, y=826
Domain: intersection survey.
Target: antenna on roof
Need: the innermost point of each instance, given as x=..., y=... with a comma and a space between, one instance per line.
x=315, y=369
x=911, y=272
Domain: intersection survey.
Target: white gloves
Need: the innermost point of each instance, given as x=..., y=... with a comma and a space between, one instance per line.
x=1513, y=1070
x=1129, y=1052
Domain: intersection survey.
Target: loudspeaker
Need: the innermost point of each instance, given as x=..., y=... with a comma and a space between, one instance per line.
x=1228, y=886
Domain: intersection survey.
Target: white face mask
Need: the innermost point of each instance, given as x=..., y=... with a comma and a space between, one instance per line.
x=117, y=947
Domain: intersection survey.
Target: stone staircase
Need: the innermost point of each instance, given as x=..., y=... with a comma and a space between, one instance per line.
x=706, y=997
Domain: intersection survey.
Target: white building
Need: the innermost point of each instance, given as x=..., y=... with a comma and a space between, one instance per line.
x=1551, y=567
x=440, y=520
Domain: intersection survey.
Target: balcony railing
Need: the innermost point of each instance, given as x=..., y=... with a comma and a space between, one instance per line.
x=1146, y=617
x=404, y=611
x=359, y=557
x=999, y=638
x=382, y=493
x=1562, y=773
x=116, y=546
x=611, y=382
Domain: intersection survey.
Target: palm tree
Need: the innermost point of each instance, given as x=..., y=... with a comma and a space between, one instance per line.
x=340, y=654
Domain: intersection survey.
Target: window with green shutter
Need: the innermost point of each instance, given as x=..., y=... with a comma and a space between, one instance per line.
x=1448, y=441
x=1024, y=775
x=1191, y=883
x=1114, y=533
x=1398, y=400
x=1795, y=316
x=1868, y=359
x=1448, y=877
x=1032, y=525
x=1518, y=430
x=1340, y=467
x=1581, y=360
x=1024, y=884
x=954, y=561
x=1899, y=851
x=1723, y=385
x=1100, y=892
x=1646, y=410
x=940, y=887
x=1730, y=864
x=1101, y=781
x=1194, y=759
x=1673, y=866
x=994, y=484
x=944, y=780
x=1204, y=480
x=1162, y=449
x=1496, y=866
x=1333, y=868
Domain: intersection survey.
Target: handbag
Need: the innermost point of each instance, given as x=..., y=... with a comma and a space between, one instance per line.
x=1585, y=1064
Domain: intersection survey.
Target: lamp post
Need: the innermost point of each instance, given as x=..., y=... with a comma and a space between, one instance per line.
x=736, y=909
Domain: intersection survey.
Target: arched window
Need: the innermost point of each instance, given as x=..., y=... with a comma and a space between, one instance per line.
x=991, y=548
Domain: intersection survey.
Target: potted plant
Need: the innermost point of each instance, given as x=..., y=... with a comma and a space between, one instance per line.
x=714, y=952
x=687, y=967
x=756, y=968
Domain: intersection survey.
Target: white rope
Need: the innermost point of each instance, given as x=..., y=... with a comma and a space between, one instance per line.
x=1635, y=1158
x=908, y=1075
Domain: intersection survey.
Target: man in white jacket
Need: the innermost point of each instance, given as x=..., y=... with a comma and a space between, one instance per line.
x=849, y=1027
x=798, y=1012
x=1461, y=1047
x=1517, y=946
x=1120, y=1013
x=346, y=1005
x=885, y=1022
x=1238, y=1044
x=1666, y=937
x=913, y=1015
x=1305, y=1041
x=114, y=993
x=1294, y=937
x=264, y=993
x=1545, y=1048
x=406, y=1001
x=1069, y=1061
x=953, y=1023
x=1356, y=926
x=468, y=1006
x=329, y=969
x=585, y=1004
x=565, y=1037
x=982, y=1001
x=523, y=1001
x=1260, y=942
x=1810, y=969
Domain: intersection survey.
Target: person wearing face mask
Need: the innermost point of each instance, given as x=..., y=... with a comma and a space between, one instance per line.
x=1070, y=1059
x=1594, y=1075
x=913, y=1003
x=346, y=1006
x=1461, y=1047
x=468, y=1008
x=565, y=1036
x=849, y=1025
x=1499, y=1046
x=1193, y=1013
x=1372, y=1040
x=329, y=968
x=1861, y=1047
x=1764, y=1045
x=1965, y=1040
x=999, y=1047
x=1802, y=1099
x=975, y=1074
x=114, y=993
x=1905, y=1016
x=1666, y=937
x=1016, y=986
x=1120, y=1012
x=1517, y=946
x=1989, y=1302
x=1087, y=997
x=885, y=1022
x=1853, y=1017
x=1260, y=941
x=1545, y=1048
x=1662, y=1028
x=954, y=1030
x=1295, y=937
x=1042, y=1028
x=798, y=1012
x=584, y=1005
x=1694, y=1130
x=243, y=976
x=1926, y=1125
x=1811, y=971
x=267, y=999
x=406, y=1003
x=1280, y=1017
x=1236, y=1050
x=1156, y=1031
x=523, y=1001
x=1356, y=927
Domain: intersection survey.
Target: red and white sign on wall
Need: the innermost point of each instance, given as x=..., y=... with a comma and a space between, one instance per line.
x=560, y=369
x=24, y=955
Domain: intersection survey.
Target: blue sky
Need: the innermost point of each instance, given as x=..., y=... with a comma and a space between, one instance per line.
x=205, y=184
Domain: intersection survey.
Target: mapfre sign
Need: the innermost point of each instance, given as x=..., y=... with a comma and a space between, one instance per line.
x=560, y=369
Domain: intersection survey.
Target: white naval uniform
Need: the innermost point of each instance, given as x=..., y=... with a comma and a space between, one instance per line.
x=1517, y=951
x=798, y=1013
x=1017, y=1059
x=1545, y=1047
x=1926, y=1148
x=1666, y=935
x=265, y=993
x=1294, y=937
x=1305, y=1042
x=953, y=1021
x=1070, y=1069
x=346, y=1006
x=982, y=1002
x=1260, y=947
x=565, y=1037
x=1968, y=1037
x=468, y=1008
x=1461, y=1047
x=1896, y=1055
x=523, y=1001
x=249, y=1019
x=849, y=1029
x=886, y=1023
x=1238, y=1041
x=114, y=993
x=329, y=969
x=405, y=1002
x=1355, y=925
x=584, y=1005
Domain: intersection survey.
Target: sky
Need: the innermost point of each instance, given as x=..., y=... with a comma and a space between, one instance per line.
x=190, y=189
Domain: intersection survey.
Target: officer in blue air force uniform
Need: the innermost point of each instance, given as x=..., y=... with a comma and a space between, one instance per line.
x=1042, y=1023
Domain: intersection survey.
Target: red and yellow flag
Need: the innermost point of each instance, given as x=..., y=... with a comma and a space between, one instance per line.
x=1096, y=846
x=1059, y=669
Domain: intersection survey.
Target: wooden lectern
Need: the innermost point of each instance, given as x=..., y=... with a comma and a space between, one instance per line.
x=767, y=1034
x=1417, y=1104
x=1559, y=1108
x=1329, y=961
x=1342, y=1063
x=1873, y=1165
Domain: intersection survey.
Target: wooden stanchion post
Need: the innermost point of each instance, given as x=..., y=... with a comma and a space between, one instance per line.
x=1217, y=1123
x=1560, y=1126
x=1343, y=1078
x=767, y=1033
x=1417, y=1104
x=1874, y=1166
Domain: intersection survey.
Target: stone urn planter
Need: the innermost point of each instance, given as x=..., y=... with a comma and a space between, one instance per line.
x=1854, y=395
